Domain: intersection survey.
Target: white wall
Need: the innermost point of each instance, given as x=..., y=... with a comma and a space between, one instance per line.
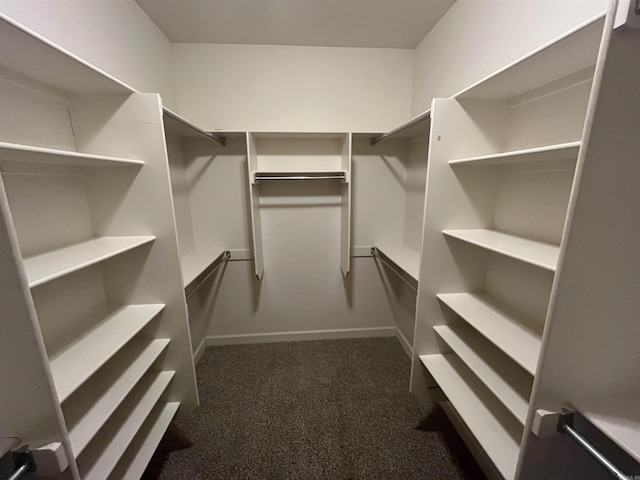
x=477, y=37
x=257, y=87
x=115, y=35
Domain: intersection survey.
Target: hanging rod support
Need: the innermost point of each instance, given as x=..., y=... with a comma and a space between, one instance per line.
x=24, y=463
x=404, y=276
x=565, y=425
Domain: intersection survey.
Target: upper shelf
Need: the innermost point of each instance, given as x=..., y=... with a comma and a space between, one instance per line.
x=30, y=54
x=414, y=127
x=571, y=53
x=559, y=151
x=14, y=152
x=533, y=252
x=55, y=264
x=176, y=125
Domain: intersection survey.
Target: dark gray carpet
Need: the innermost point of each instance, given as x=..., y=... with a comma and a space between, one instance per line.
x=335, y=409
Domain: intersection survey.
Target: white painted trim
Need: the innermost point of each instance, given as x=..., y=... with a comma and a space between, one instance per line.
x=363, y=251
x=301, y=336
x=197, y=355
x=404, y=343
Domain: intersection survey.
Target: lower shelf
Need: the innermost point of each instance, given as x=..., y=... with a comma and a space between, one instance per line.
x=136, y=458
x=495, y=429
x=105, y=450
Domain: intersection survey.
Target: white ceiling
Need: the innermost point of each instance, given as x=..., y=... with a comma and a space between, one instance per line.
x=334, y=23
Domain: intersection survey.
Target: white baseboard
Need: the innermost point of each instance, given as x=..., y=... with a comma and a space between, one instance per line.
x=406, y=346
x=197, y=355
x=298, y=336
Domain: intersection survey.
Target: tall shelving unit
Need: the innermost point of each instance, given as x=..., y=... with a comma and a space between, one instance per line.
x=299, y=157
x=90, y=260
x=501, y=171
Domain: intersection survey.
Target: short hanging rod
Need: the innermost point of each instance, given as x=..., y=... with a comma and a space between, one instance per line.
x=206, y=275
x=404, y=276
x=302, y=177
x=565, y=425
x=381, y=138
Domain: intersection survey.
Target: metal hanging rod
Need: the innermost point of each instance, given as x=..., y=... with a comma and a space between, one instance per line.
x=381, y=138
x=24, y=465
x=565, y=425
x=302, y=177
x=208, y=272
x=404, y=276
x=263, y=176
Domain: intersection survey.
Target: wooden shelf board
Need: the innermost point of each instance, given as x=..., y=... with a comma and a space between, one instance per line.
x=406, y=258
x=122, y=375
x=48, y=266
x=559, y=151
x=14, y=152
x=197, y=261
x=507, y=381
x=500, y=326
x=122, y=427
x=617, y=417
x=139, y=453
x=539, y=254
x=497, y=433
x=73, y=365
x=181, y=127
x=574, y=51
x=30, y=54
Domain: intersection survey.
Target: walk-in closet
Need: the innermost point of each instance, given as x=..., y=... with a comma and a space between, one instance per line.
x=448, y=190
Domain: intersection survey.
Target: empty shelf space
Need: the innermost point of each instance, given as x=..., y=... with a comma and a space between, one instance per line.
x=196, y=262
x=34, y=56
x=139, y=453
x=617, y=417
x=176, y=125
x=507, y=381
x=89, y=413
x=273, y=175
x=48, y=266
x=104, y=452
x=73, y=365
x=12, y=152
x=402, y=257
x=576, y=51
x=551, y=152
x=533, y=252
x=495, y=429
x=500, y=326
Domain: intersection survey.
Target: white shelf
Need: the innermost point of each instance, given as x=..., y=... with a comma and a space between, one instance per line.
x=30, y=54
x=500, y=326
x=539, y=254
x=122, y=427
x=136, y=458
x=406, y=258
x=195, y=262
x=498, y=433
x=73, y=365
x=14, y=152
x=57, y=263
x=113, y=386
x=179, y=126
x=275, y=175
x=618, y=418
x=508, y=382
x=559, y=151
x=573, y=52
